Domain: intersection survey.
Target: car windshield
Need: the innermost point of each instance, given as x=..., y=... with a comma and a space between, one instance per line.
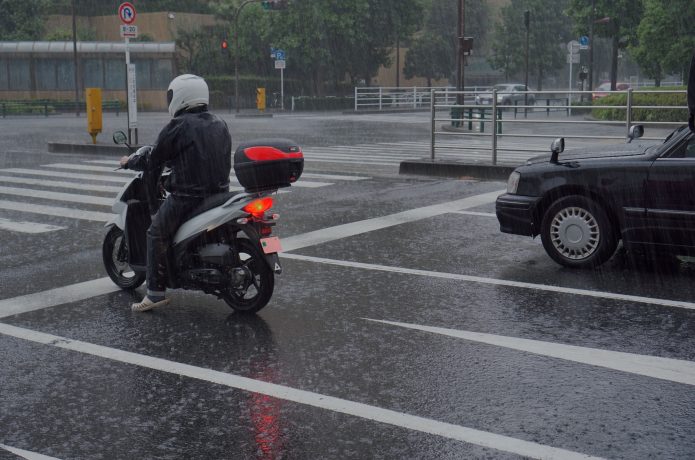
x=504, y=87
x=669, y=139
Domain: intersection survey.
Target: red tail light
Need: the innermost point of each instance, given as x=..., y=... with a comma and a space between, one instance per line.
x=258, y=207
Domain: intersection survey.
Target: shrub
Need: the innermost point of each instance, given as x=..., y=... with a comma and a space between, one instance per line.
x=652, y=100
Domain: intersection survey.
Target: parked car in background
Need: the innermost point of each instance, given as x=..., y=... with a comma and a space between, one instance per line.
x=602, y=89
x=582, y=203
x=507, y=94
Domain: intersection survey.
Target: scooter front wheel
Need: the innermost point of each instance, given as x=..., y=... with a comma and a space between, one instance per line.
x=115, y=254
x=252, y=280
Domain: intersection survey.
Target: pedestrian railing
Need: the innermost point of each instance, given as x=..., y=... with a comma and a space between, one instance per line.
x=48, y=107
x=415, y=97
x=459, y=127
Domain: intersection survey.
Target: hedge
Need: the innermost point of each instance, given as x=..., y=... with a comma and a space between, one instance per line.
x=648, y=99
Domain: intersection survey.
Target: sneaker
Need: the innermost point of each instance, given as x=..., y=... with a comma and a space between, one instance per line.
x=147, y=304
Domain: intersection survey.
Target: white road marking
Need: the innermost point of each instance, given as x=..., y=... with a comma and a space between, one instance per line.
x=474, y=213
x=78, y=167
x=60, y=184
x=363, y=226
x=673, y=370
x=334, y=177
x=321, y=401
x=28, y=455
x=492, y=281
x=66, y=175
x=55, y=211
x=27, y=227
x=57, y=196
x=57, y=296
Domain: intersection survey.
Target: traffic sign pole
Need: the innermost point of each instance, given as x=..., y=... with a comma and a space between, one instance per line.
x=127, y=14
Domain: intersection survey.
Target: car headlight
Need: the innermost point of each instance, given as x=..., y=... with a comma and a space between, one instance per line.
x=513, y=182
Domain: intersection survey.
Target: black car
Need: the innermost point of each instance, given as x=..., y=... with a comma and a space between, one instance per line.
x=583, y=202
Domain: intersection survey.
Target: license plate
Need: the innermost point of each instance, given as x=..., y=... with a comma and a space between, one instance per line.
x=271, y=245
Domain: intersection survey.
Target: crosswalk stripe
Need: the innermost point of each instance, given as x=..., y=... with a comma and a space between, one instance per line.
x=56, y=211
x=308, y=175
x=56, y=196
x=77, y=167
x=334, y=177
x=65, y=175
x=60, y=184
x=27, y=227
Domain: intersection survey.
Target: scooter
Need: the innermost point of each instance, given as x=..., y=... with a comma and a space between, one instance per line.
x=224, y=247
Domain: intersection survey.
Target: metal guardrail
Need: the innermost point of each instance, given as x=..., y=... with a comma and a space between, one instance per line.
x=414, y=97
x=472, y=116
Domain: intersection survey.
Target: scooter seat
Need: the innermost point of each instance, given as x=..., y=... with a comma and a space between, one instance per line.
x=211, y=202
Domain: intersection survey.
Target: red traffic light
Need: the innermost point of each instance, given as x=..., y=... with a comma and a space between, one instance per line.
x=224, y=45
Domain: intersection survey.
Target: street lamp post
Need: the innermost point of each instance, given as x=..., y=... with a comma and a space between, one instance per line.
x=237, y=51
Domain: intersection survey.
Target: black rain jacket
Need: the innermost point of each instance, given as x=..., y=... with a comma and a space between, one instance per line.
x=197, y=146
x=691, y=94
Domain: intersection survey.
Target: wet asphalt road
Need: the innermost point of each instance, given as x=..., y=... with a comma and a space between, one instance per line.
x=343, y=334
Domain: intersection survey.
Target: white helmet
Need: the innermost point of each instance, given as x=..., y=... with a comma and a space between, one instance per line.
x=186, y=91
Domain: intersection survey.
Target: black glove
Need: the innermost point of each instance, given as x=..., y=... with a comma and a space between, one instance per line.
x=691, y=122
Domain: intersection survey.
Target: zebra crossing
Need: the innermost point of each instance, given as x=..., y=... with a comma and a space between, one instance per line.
x=475, y=150
x=76, y=190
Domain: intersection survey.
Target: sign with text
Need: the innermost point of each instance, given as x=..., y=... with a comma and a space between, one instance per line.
x=129, y=31
x=280, y=64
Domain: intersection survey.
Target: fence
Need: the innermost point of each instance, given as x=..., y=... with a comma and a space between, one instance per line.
x=471, y=119
x=389, y=98
x=49, y=107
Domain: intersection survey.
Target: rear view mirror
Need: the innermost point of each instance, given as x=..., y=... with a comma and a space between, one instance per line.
x=557, y=147
x=119, y=137
x=635, y=132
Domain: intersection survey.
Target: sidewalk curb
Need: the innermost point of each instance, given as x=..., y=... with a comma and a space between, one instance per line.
x=426, y=167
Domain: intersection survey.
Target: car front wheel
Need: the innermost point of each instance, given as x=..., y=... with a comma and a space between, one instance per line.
x=577, y=233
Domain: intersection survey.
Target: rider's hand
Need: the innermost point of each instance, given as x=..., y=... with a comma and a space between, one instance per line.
x=124, y=162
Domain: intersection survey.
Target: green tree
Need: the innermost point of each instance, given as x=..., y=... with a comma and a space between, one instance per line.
x=665, y=38
x=548, y=31
x=433, y=53
x=22, y=20
x=325, y=40
x=429, y=57
x=614, y=19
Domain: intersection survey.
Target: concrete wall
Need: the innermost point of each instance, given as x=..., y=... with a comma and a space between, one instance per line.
x=159, y=26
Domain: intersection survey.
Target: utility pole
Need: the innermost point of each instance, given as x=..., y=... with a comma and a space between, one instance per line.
x=460, y=60
x=591, y=47
x=237, y=49
x=527, y=23
x=74, y=55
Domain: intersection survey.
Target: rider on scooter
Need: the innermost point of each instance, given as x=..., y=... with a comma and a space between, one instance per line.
x=197, y=146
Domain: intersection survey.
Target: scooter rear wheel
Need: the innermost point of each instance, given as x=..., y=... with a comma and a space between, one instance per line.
x=115, y=254
x=259, y=281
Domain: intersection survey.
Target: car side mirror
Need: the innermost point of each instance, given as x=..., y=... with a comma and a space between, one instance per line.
x=635, y=132
x=119, y=137
x=557, y=147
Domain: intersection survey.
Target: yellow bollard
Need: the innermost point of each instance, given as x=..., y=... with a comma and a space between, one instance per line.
x=94, y=116
x=260, y=99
